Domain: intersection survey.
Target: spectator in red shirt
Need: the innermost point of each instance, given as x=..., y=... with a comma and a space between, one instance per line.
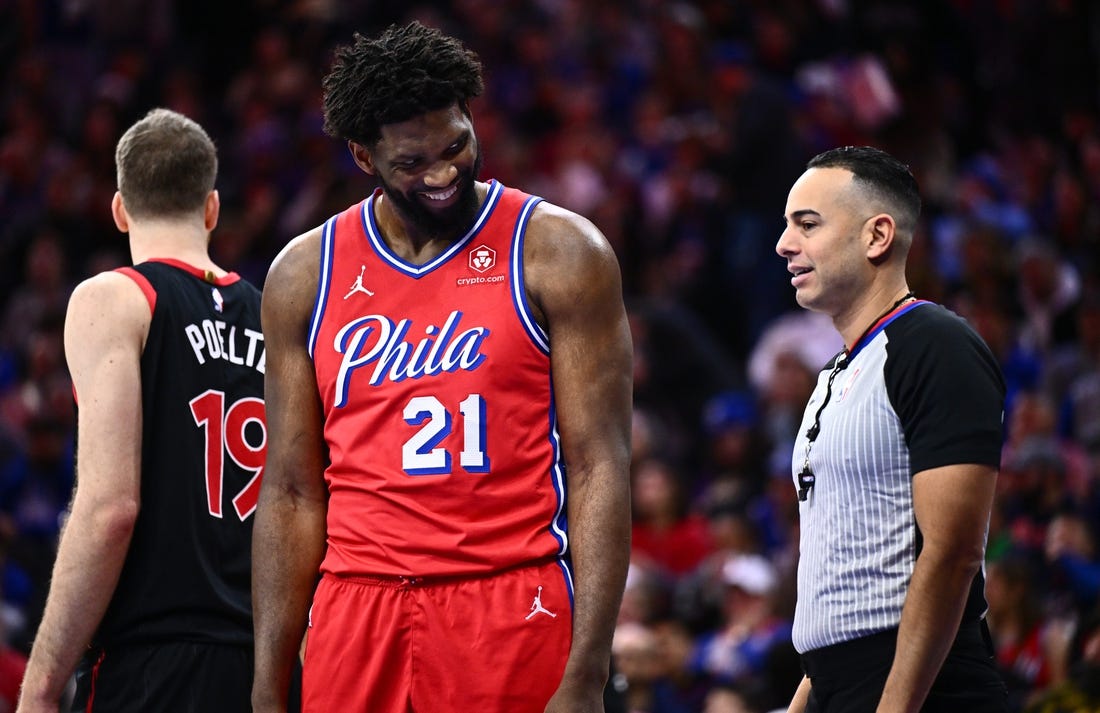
x=665, y=532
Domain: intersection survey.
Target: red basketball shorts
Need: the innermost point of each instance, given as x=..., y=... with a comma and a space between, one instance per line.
x=495, y=644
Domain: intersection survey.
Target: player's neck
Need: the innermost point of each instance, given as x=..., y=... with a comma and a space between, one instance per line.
x=178, y=241
x=409, y=241
x=405, y=240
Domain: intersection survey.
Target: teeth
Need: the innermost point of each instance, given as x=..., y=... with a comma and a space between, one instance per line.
x=442, y=196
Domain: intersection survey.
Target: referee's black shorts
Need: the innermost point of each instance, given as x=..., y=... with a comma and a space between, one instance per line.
x=173, y=677
x=849, y=677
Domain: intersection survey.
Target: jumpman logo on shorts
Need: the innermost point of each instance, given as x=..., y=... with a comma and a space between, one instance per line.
x=357, y=286
x=537, y=607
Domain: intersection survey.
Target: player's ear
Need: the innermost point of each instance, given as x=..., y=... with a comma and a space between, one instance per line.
x=118, y=212
x=211, y=210
x=363, y=158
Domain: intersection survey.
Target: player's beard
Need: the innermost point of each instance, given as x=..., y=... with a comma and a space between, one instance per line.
x=451, y=222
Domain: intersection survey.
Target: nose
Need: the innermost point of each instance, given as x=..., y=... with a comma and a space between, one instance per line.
x=441, y=175
x=786, y=246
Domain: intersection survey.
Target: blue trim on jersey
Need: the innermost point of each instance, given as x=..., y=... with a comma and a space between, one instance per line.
x=873, y=333
x=386, y=255
x=320, y=302
x=519, y=292
x=558, y=525
x=567, y=572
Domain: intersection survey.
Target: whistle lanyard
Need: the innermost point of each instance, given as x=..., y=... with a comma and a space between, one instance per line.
x=806, y=477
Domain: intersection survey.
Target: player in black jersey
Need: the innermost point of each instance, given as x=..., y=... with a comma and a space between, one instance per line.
x=151, y=587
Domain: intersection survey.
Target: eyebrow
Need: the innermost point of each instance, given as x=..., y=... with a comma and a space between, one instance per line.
x=796, y=214
x=463, y=135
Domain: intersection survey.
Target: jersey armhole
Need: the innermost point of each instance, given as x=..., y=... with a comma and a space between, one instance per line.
x=328, y=240
x=142, y=282
x=518, y=287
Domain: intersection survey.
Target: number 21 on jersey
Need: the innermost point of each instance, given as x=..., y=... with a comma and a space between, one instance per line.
x=421, y=454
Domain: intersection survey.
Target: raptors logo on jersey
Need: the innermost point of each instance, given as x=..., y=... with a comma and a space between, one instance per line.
x=445, y=456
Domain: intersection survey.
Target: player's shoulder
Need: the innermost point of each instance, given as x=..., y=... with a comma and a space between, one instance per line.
x=550, y=218
x=298, y=260
x=565, y=238
x=108, y=302
x=290, y=288
x=569, y=266
x=115, y=286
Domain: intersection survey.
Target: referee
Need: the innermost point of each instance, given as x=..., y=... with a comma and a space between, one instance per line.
x=895, y=462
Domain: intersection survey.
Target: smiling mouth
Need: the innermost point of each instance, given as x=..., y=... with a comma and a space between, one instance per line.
x=441, y=195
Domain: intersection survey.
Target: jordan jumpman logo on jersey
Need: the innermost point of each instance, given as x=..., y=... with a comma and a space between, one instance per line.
x=357, y=286
x=536, y=607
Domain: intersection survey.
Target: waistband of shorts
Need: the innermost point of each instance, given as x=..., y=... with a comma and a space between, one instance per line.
x=422, y=580
x=843, y=656
x=97, y=652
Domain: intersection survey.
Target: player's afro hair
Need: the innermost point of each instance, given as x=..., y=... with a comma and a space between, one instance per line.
x=404, y=72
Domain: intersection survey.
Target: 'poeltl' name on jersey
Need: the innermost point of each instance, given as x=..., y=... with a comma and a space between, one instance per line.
x=209, y=339
x=376, y=339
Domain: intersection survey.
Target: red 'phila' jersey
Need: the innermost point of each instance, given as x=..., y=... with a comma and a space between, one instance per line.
x=439, y=411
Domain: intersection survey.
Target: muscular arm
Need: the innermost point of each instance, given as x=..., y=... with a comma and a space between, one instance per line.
x=952, y=506
x=288, y=538
x=573, y=280
x=105, y=329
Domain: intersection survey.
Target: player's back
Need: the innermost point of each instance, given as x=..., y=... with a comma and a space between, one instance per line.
x=187, y=573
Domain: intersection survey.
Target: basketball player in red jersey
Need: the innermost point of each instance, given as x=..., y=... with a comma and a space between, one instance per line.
x=151, y=587
x=445, y=511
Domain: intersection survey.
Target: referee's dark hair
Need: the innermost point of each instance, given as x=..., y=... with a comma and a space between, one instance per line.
x=406, y=71
x=882, y=176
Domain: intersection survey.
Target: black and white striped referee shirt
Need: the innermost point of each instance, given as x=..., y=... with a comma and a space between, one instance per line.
x=921, y=390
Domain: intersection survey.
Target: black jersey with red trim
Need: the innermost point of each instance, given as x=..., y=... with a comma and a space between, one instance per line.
x=187, y=573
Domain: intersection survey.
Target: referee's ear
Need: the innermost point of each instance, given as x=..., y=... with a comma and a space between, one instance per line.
x=879, y=232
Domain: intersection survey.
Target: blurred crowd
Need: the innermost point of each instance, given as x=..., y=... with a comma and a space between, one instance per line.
x=677, y=126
